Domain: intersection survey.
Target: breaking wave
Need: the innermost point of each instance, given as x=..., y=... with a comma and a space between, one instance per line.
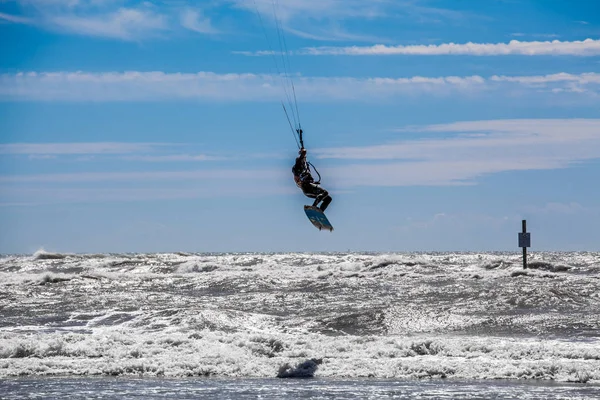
x=294, y=315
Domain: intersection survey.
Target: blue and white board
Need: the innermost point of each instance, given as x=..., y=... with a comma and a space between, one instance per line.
x=318, y=219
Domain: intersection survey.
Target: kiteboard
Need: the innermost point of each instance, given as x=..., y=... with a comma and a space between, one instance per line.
x=317, y=218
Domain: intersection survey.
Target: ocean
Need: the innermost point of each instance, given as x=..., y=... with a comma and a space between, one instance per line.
x=300, y=325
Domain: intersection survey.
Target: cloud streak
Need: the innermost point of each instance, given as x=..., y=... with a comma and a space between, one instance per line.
x=478, y=148
x=14, y=19
x=41, y=149
x=160, y=86
x=118, y=19
x=195, y=21
x=136, y=152
x=583, y=48
x=175, y=158
x=154, y=176
x=140, y=185
x=125, y=24
x=468, y=151
x=337, y=10
x=324, y=20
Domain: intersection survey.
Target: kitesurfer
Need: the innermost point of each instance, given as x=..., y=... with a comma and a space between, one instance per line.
x=305, y=181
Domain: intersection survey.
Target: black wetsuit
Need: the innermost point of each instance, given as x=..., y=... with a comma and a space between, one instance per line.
x=305, y=181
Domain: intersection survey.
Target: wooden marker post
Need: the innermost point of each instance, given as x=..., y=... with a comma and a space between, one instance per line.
x=524, y=242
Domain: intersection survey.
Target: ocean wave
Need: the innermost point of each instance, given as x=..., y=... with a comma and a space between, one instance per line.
x=412, y=315
x=208, y=353
x=44, y=255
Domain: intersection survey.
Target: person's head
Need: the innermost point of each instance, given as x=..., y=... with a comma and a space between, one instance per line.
x=302, y=151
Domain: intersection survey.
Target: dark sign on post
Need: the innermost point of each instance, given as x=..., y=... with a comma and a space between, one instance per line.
x=524, y=242
x=524, y=239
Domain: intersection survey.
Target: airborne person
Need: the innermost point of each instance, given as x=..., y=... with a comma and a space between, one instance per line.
x=305, y=181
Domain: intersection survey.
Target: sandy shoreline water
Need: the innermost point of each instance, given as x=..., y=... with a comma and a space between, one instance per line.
x=273, y=388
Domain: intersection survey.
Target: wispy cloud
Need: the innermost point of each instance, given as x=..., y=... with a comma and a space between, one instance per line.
x=478, y=148
x=495, y=136
x=327, y=19
x=288, y=10
x=131, y=20
x=151, y=86
x=114, y=19
x=142, y=152
x=468, y=151
x=560, y=208
x=126, y=24
x=14, y=19
x=140, y=186
x=584, y=78
x=195, y=21
x=330, y=33
x=212, y=174
x=110, y=19
x=587, y=47
x=14, y=196
x=79, y=148
x=578, y=83
x=457, y=221
x=337, y=10
x=175, y=158
x=41, y=157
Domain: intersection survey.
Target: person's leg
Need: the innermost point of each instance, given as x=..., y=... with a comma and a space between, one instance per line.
x=326, y=202
x=314, y=192
x=321, y=195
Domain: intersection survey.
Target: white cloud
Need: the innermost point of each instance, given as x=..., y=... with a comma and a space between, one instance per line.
x=479, y=148
x=18, y=196
x=102, y=18
x=576, y=83
x=329, y=33
x=587, y=47
x=540, y=35
x=143, y=152
x=560, y=208
x=175, y=158
x=58, y=3
x=224, y=174
x=457, y=222
x=325, y=19
x=125, y=23
x=478, y=140
x=114, y=19
x=151, y=86
x=195, y=21
x=290, y=10
x=468, y=151
x=584, y=78
x=41, y=156
x=14, y=18
x=140, y=186
x=79, y=148
x=132, y=185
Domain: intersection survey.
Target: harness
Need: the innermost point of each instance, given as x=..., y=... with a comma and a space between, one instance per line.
x=304, y=175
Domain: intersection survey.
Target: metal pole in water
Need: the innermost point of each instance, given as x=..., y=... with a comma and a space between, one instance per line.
x=524, y=242
x=524, y=248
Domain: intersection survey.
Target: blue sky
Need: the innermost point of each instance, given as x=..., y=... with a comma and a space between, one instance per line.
x=436, y=125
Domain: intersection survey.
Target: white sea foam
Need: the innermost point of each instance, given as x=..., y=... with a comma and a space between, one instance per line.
x=205, y=352
x=464, y=316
